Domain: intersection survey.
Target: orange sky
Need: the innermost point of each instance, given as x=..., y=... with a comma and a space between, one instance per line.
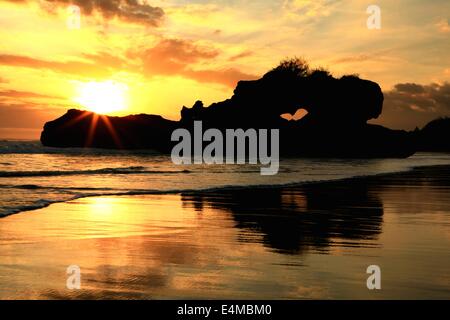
x=160, y=55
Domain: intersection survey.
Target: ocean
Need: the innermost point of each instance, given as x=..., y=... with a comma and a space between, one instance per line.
x=33, y=176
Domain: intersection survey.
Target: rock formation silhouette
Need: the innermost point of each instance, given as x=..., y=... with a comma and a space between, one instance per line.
x=434, y=136
x=335, y=124
x=287, y=88
x=87, y=129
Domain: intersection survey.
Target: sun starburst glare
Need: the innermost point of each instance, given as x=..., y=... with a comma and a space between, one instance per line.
x=102, y=97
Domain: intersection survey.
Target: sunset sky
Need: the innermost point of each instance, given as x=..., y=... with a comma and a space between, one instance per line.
x=132, y=56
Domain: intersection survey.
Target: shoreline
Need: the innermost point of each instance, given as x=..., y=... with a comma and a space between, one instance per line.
x=233, y=188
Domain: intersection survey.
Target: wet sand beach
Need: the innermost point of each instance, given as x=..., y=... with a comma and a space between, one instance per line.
x=311, y=241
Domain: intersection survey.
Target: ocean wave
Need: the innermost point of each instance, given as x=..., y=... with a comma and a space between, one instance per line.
x=73, y=193
x=39, y=204
x=35, y=147
x=52, y=194
x=124, y=170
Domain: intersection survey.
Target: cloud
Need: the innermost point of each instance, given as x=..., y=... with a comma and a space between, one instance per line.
x=241, y=55
x=101, y=65
x=309, y=8
x=355, y=58
x=24, y=94
x=409, y=105
x=381, y=55
x=178, y=57
x=134, y=11
x=171, y=56
x=228, y=77
x=425, y=98
x=443, y=26
x=105, y=59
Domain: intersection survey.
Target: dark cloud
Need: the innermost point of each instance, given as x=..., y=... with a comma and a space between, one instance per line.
x=177, y=57
x=409, y=105
x=422, y=98
x=133, y=11
x=409, y=88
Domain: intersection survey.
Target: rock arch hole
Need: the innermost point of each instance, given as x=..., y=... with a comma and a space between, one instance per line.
x=299, y=114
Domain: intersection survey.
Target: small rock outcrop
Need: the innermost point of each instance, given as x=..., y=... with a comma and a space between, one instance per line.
x=82, y=129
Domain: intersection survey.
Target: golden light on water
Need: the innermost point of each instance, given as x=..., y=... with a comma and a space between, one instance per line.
x=102, y=97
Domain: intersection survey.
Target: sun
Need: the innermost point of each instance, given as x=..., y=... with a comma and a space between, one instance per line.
x=102, y=97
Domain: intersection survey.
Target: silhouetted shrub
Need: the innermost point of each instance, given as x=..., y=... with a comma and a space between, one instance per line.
x=297, y=67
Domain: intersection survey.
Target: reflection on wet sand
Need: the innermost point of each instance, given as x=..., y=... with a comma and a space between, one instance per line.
x=293, y=220
x=314, y=241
